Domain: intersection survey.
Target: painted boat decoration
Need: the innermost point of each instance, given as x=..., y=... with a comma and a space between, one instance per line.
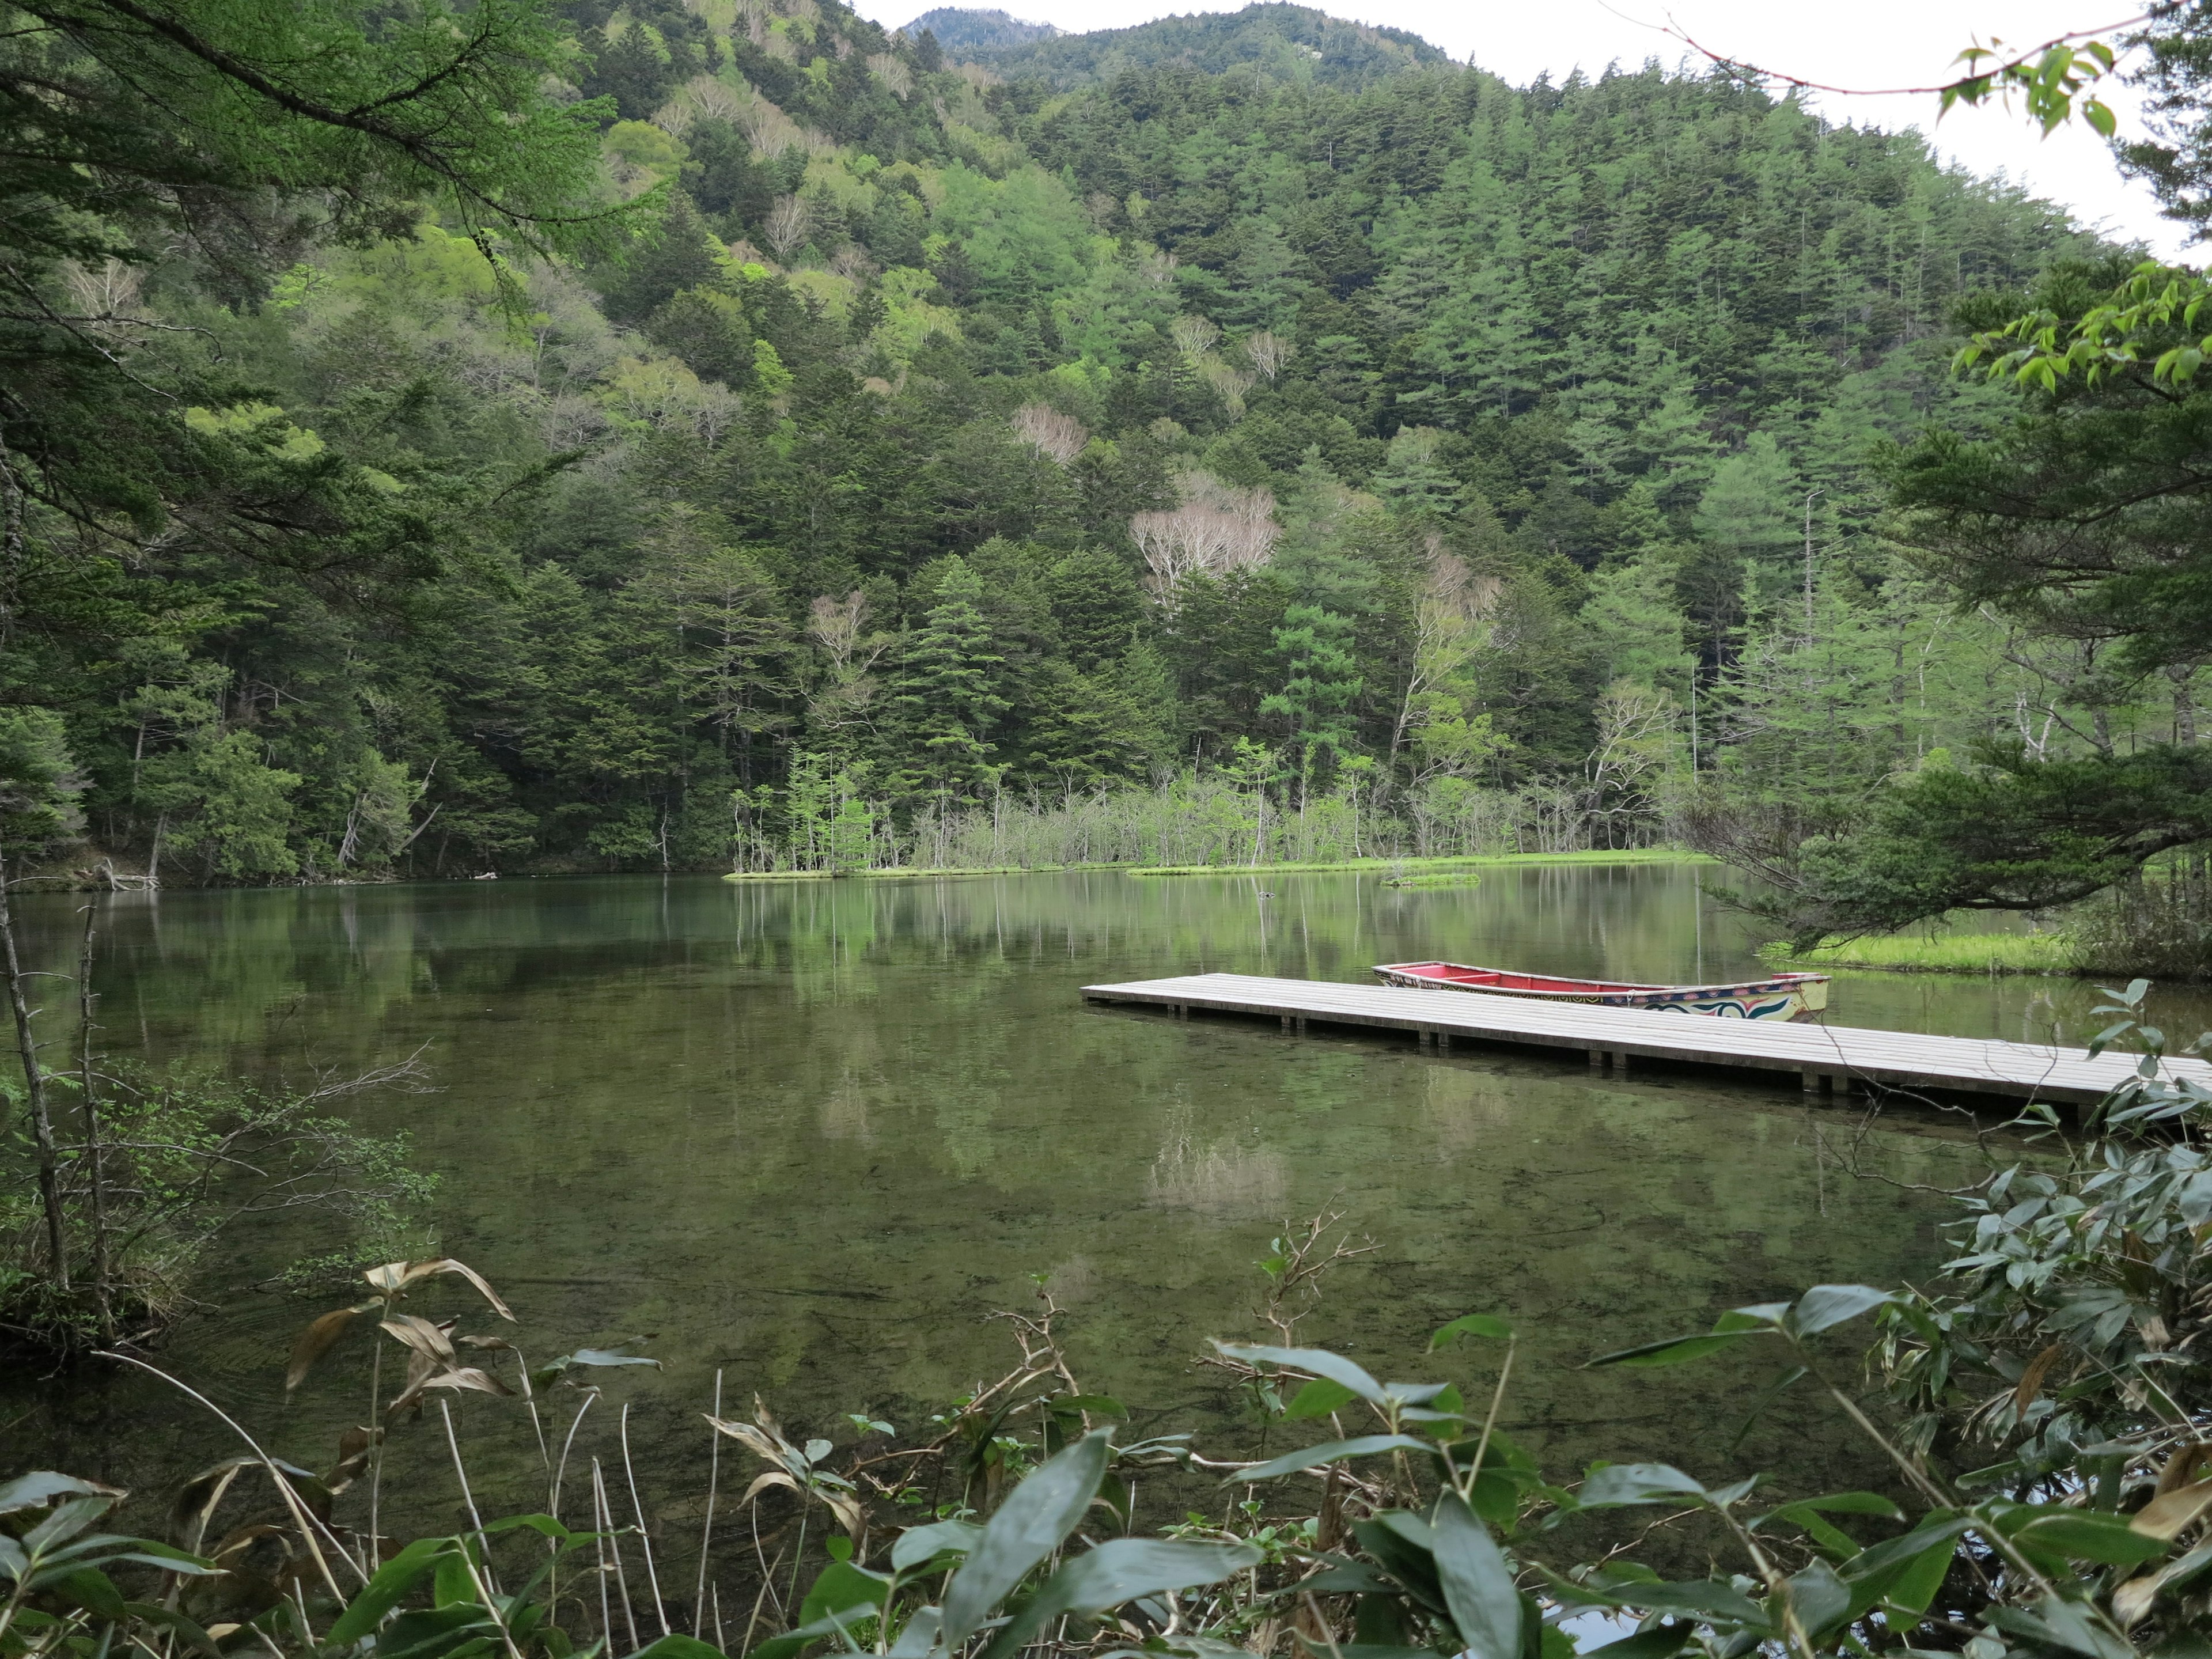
x=1782, y=996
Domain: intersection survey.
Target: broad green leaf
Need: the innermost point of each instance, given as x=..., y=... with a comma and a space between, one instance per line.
x=1036, y=1516
x=41, y=1486
x=1488, y=1326
x=1328, y=1451
x=918, y=1546
x=1118, y=1571
x=1638, y=1483
x=537, y=1523
x=1936, y=1530
x=1708, y=1598
x=1916, y=1580
x=66, y=1521
x=431, y=1633
x=1660, y=1642
x=1843, y=1502
x=1099, y=1404
x=1350, y=1578
x=1825, y=1306
x=678, y=1646
x=2087, y=1536
x=1674, y=1351
x=1818, y=1597
x=840, y=1587
x=383, y=1592
x=1318, y=1398
x=450, y=1582
x=92, y=1590
x=1478, y=1582
x=841, y=1625
x=1318, y=1361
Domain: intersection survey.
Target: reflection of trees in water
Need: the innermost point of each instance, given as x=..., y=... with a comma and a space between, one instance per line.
x=1224, y=1180
x=1074, y=1282
x=845, y=1111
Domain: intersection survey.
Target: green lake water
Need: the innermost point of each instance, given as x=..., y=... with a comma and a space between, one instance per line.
x=812, y=1134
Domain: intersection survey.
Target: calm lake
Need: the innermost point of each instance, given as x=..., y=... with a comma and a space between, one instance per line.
x=812, y=1134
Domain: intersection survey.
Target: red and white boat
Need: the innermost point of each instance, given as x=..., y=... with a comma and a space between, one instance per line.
x=1784, y=996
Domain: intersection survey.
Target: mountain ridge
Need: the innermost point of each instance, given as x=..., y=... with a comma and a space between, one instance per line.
x=1276, y=40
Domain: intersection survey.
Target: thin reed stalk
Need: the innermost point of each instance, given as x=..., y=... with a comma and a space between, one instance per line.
x=644, y=1531
x=607, y=1526
x=468, y=1497
x=706, y=1529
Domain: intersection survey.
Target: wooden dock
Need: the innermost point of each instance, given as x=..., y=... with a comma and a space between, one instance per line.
x=1822, y=1058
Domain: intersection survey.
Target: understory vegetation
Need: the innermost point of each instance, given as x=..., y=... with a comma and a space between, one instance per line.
x=2038, y=1413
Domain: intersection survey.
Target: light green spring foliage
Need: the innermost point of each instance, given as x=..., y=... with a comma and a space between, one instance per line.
x=1518, y=397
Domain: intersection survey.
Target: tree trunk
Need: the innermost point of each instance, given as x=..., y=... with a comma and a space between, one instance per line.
x=101, y=1290
x=35, y=1082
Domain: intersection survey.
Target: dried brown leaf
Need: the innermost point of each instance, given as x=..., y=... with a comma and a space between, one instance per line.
x=753, y=1440
x=2031, y=1379
x=470, y=1378
x=762, y=1482
x=420, y=1335
x=196, y=1503
x=417, y=1271
x=316, y=1341
x=2171, y=1513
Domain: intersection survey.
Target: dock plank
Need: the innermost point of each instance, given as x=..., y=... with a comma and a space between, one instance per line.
x=1811, y=1052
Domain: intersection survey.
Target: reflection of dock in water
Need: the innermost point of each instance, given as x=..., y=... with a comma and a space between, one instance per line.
x=1824, y=1058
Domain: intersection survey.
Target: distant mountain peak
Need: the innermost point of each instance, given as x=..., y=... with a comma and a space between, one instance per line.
x=968, y=33
x=1276, y=40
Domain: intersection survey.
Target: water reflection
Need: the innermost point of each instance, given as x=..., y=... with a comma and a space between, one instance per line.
x=811, y=1133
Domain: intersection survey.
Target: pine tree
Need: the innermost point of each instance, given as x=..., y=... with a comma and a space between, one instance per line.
x=946, y=702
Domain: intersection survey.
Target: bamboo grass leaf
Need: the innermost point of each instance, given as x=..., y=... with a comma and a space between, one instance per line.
x=1035, y=1517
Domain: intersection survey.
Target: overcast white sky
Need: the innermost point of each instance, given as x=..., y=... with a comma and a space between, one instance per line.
x=1850, y=43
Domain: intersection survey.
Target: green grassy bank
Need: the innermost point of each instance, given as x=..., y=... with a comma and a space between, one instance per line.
x=1394, y=866
x=1947, y=953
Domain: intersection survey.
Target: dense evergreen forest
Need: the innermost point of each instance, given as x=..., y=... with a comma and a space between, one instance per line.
x=1238, y=435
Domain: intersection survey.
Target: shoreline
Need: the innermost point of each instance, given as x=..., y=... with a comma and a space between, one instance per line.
x=1470, y=862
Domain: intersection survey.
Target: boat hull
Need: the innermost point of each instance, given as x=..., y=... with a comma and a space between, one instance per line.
x=1784, y=996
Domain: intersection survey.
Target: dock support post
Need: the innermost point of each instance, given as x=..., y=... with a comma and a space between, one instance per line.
x=1597, y=1060
x=1444, y=1041
x=1182, y=1011
x=1621, y=1061
x=1286, y=1023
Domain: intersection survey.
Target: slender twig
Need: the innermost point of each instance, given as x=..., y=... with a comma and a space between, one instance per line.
x=1489, y=1423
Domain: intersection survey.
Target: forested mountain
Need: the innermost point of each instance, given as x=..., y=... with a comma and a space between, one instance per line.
x=1409, y=460
x=976, y=34
x=1279, y=41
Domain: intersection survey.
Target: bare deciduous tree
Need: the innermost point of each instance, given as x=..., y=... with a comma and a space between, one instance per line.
x=839, y=629
x=892, y=71
x=851, y=261
x=1193, y=335
x=767, y=129
x=701, y=96
x=1051, y=433
x=1269, y=354
x=788, y=224
x=1218, y=528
